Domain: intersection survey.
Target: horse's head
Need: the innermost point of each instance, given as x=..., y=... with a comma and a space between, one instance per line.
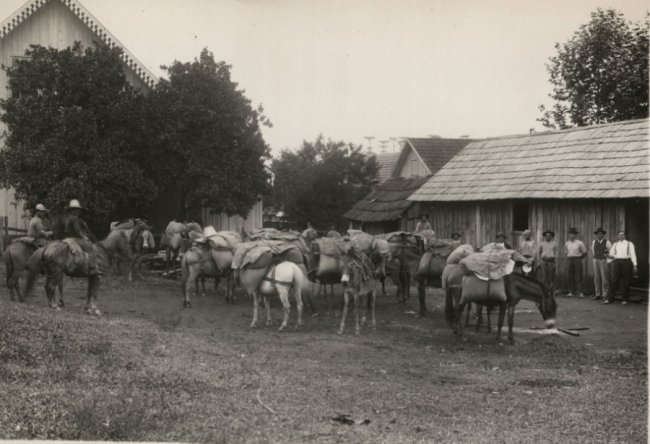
x=548, y=307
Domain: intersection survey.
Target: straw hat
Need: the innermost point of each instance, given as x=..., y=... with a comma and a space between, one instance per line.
x=501, y=234
x=455, y=233
x=572, y=231
x=41, y=207
x=600, y=230
x=74, y=205
x=552, y=233
x=209, y=232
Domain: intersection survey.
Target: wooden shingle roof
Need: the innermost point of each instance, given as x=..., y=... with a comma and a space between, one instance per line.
x=387, y=201
x=29, y=8
x=603, y=161
x=434, y=152
x=386, y=162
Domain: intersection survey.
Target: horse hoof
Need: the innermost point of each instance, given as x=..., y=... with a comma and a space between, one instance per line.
x=61, y=304
x=298, y=325
x=340, y=332
x=253, y=325
x=281, y=329
x=357, y=332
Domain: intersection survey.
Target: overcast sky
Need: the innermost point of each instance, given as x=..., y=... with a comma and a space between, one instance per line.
x=349, y=69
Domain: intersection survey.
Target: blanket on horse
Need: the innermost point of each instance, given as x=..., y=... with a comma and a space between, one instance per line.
x=225, y=240
x=175, y=228
x=330, y=246
x=362, y=241
x=461, y=252
x=76, y=261
x=259, y=254
x=494, y=263
x=440, y=247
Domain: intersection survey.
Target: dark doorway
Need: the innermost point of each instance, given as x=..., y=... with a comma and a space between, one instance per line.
x=391, y=225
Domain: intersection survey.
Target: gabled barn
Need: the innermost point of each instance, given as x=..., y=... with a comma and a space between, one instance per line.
x=386, y=209
x=59, y=23
x=386, y=162
x=584, y=177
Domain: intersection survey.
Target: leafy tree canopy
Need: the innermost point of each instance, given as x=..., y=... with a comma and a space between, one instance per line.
x=208, y=139
x=322, y=181
x=601, y=74
x=74, y=131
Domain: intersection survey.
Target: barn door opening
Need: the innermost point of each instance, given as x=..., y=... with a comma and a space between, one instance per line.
x=636, y=225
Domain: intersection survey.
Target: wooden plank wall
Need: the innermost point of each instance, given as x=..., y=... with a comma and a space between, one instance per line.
x=223, y=222
x=413, y=166
x=52, y=25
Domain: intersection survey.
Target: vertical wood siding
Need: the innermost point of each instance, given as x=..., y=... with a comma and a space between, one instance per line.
x=223, y=222
x=413, y=166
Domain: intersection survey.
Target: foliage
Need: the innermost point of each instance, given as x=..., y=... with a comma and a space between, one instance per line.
x=74, y=132
x=601, y=74
x=208, y=138
x=321, y=181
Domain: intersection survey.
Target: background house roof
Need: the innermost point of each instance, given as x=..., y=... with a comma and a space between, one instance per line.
x=434, y=152
x=387, y=201
x=603, y=161
x=29, y=8
x=386, y=163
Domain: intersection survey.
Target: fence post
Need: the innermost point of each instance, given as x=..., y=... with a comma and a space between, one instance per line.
x=2, y=234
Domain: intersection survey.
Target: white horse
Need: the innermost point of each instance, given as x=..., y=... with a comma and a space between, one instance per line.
x=278, y=279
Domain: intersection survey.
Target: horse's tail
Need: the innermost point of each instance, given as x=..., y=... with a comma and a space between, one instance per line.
x=34, y=267
x=449, y=306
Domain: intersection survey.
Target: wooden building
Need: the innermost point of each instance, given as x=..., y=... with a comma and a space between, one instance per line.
x=582, y=177
x=386, y=162
x=59, y=23
x=385, y=208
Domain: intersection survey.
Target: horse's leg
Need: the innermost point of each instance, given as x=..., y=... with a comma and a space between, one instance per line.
x=407, y=277
x=458, y=314
x=91, y=301
x=346, y=299
x=50, y=289
x=192, y=276
x=283, y=292
x=59, y=285
x=468, y=313
x=255, y=307
x=373, y=299
x=297, y=293
x=357, y=328
x=479, y=316
x=383, y=286
x=511, y=321
x=502, y=313
x=267, y=307
x=489, y=309
x=421, y=296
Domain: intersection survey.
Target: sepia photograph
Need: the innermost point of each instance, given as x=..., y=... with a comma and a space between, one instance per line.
x=324, y=221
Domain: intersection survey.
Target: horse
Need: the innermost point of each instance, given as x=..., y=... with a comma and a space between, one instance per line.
x=140, y=239
x=528, y=288
x=403, y=261
x=277, y=279
x=431, y=267
x=174, y=240
x=57, y=259
x=16, y=257
x=359, y=281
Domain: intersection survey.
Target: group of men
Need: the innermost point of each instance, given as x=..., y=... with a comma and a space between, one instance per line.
x=72, y=226
x=614, y=264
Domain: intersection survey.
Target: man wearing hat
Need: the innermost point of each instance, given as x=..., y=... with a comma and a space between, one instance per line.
x=547, y=254
x=501, y=240
x=623, y=264
x=423, y=223
x=75, y=227
x=575, y=251
x=36, y=230
x=599, y=250
x=528, y=247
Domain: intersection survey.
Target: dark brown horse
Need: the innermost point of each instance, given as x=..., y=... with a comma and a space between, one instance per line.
x=59, y=258
x=403, y=262
x=16, y=257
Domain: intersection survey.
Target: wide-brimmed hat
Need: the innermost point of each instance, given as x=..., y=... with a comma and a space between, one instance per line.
x=526, y=232
x=209, y=231
x=600, y=230
x=424, y=214
x=74, y=205
x=552, y=233
x=456, y=233
x=501, y=234
x=572, y=231
x=40, y=207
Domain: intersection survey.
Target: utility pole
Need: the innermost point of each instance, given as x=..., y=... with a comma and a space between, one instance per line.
x=369, y=139
x=383, y=144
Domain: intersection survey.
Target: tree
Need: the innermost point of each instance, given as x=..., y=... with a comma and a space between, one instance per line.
x=209, y=139
x=75, y=128
x=322, y=181
x=601, y=74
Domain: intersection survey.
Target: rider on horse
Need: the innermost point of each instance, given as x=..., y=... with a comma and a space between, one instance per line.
x=36, y=230
x=75, y=227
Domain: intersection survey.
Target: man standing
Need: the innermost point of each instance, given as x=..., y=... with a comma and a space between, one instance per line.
x=599, y=250
x=547, y=254
x=455, y=240
x=528, y=247
x=75, y=227
x=575, y=251
x=623, y=265
x=36, y=229
x=423, y=223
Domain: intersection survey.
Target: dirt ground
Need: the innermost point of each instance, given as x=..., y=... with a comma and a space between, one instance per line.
x=151, y=370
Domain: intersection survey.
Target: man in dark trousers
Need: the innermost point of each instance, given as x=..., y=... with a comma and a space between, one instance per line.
x=623, y=265
x=75, y=227
x=501, y=240
x=547, y=254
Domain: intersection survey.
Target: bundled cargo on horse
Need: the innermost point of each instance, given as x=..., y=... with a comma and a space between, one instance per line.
x=261, y=253
x=491, y=263
x=225, y=240
x=460, y=253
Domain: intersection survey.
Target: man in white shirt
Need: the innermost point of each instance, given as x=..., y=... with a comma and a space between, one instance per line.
x=623, y=265
x=575, y=251
x=599, y=250
x=423, y=224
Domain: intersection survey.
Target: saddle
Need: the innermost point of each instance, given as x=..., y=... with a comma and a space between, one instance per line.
x=77, y=261
x=27, y=240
